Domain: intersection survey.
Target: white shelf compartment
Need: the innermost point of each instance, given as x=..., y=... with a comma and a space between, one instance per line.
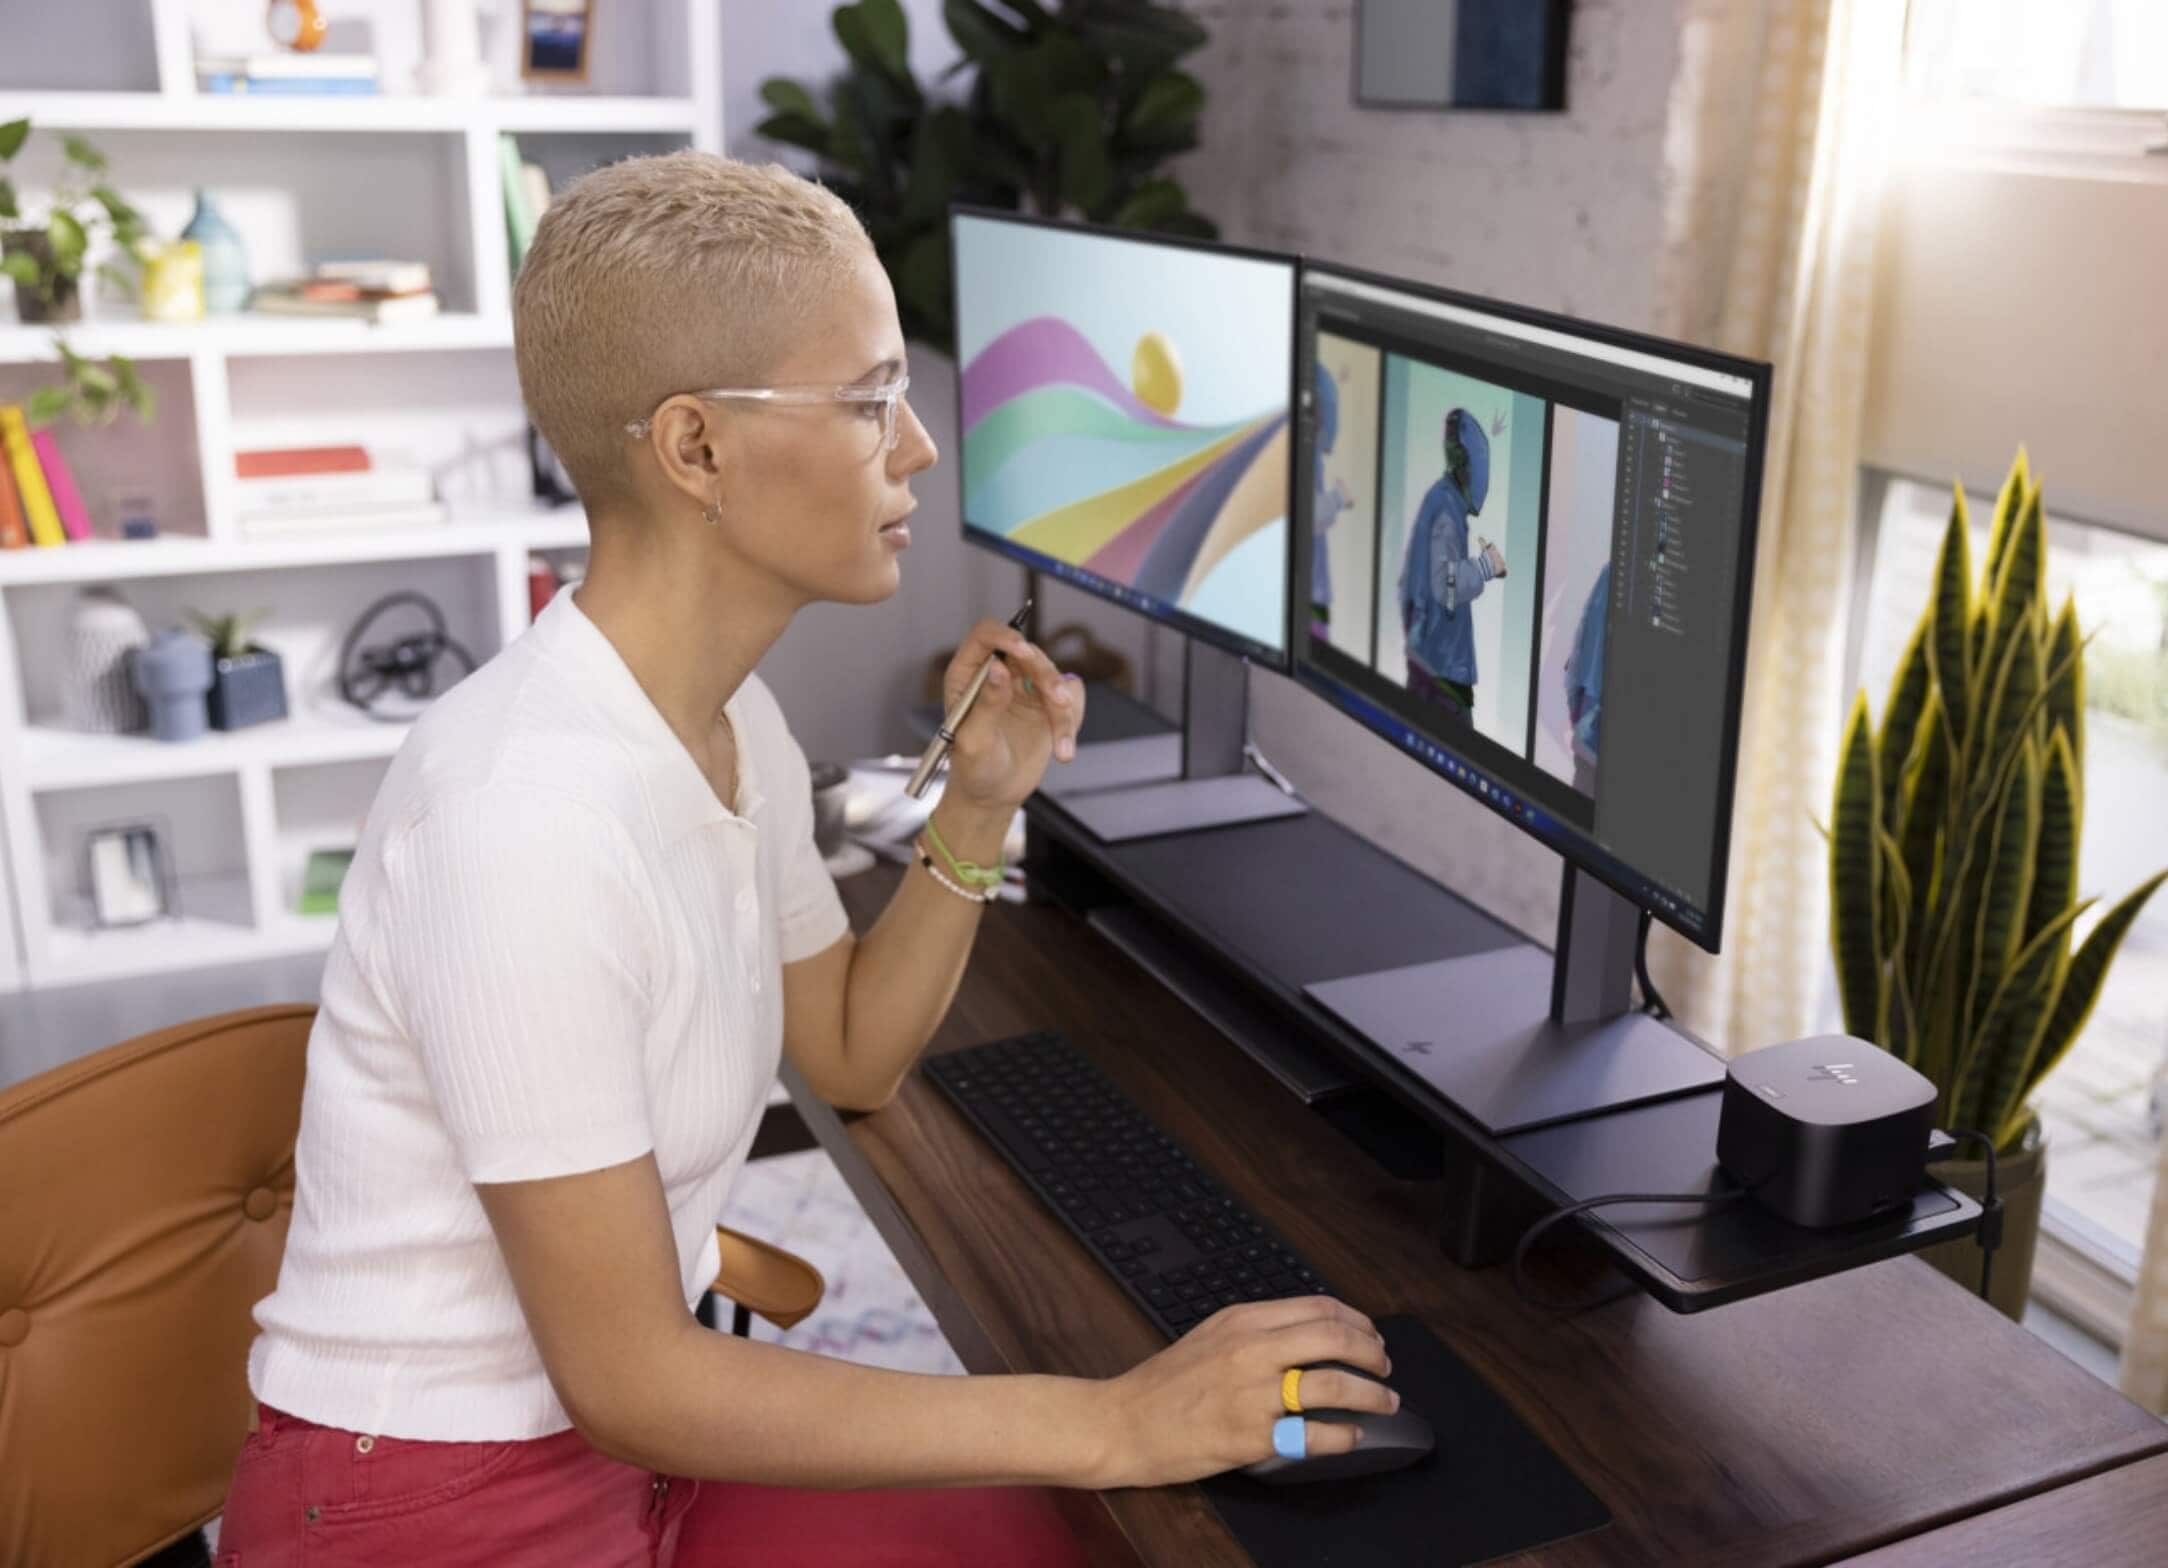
x=59, y=759
x=210, y=930
x=256, y=332
x=473, y=530
x=357, y=112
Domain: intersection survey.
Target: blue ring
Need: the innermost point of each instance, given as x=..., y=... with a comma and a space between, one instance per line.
x=1291, y=1438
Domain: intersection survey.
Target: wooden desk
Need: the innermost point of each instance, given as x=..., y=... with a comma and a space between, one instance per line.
x=1797, y=1427
x=2116, y=1520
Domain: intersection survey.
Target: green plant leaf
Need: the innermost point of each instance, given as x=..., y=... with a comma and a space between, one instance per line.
x=2079, y=990
x=9, y=208
x=11, y=138
x=875, y=34
x=2066, y=692
x=124, y=282
x=1893, y=1020
x=83, y=154
x=2006, y=886
x=68, y=240
x=940, y=157
x=2014, y=591
x=1921, y=812
x=1080, y=134
x=1901, y=717
x=2055, y=864
x=1150, y=204
x=798, y=130
x=785, y=96
x=21, y=266
x=921, y=278
x=983, y=36
x=1168, y=106
x=1992, y=1062
x=1855, y=879
x=2008, y=504
x=47, y=404
x=1144, y=38
x=1947, y=651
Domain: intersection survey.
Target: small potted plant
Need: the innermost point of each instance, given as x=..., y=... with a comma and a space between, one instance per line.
x=45, y=255
x=1957, y=914
x=248, y=681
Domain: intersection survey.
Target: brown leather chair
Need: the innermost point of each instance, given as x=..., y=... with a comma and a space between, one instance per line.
x=144, y=1197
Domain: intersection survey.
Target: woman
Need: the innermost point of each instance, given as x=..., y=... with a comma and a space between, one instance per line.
x=585, y=921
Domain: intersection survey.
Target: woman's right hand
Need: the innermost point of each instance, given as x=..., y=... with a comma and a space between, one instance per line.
x=1208, y=1401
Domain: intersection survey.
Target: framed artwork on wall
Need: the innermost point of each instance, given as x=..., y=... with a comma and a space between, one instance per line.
x=554, y=38
x=1461, y=54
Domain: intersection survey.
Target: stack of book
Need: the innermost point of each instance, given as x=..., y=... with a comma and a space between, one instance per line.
x=39, y=503
x=283, y=491
x=300, y=74
x=366, y=289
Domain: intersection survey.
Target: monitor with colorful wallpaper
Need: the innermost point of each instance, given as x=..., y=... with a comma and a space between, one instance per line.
x=1125, y=403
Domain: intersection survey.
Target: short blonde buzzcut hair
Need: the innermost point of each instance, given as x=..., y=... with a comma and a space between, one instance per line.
x=660, y=275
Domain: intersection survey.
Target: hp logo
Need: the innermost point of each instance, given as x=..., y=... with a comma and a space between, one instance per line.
x=1837, y=1072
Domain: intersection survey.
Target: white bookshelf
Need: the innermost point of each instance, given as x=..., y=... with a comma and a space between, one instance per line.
x=398, y=172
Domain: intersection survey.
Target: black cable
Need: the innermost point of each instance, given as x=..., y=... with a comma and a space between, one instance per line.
x=365, y=674
x=1651, y=1003
x=1559, y=1216
x=1989, y=1235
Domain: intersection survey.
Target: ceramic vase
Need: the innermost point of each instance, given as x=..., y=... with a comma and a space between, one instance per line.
x=95, y=692
x=225, y=258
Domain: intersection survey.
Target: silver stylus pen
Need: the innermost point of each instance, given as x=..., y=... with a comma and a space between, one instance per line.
x=937, y=749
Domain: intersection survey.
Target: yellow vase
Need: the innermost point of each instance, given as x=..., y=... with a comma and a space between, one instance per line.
x=173, y=281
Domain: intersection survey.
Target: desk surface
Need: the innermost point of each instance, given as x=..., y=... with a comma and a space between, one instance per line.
x=1819, y=1421
x=2116, y=1520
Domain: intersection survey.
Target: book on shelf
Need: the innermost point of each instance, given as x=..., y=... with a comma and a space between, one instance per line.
x=366, y=489
x=304, y=64
x=22, y=461
x=273, y=462
x=67, y=500
x=289, y=87
x=14, y=529
x=291, y=525
x=380, y=274
x=321, y=878
x=519, y=215
x=288, y=300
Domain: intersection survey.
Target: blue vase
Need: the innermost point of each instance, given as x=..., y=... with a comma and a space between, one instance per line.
x=225, y=258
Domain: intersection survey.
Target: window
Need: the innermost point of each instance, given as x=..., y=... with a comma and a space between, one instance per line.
x=2103, y=1106
x=2099, y=54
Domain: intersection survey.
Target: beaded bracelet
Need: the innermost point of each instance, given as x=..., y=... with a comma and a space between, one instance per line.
x=969, y=873
x=957, y=888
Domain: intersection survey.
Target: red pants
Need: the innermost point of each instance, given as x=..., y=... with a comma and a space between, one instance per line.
x=304, y=1494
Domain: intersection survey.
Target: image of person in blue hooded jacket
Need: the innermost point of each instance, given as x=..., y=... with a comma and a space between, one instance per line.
x=1325, y=510
x=1584, y=681
x=1440, y=580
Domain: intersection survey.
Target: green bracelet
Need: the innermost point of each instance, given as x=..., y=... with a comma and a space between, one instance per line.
x=967, y=872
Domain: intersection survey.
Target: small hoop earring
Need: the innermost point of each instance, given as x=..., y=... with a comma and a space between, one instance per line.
x=712, y=514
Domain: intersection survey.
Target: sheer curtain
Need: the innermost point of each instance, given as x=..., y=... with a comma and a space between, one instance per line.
x=1769, y=252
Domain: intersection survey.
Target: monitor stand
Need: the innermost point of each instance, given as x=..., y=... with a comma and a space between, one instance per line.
x=1516, y=1038
x=1130, y=795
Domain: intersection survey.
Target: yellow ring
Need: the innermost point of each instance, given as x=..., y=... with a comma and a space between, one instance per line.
x=1290, y=1390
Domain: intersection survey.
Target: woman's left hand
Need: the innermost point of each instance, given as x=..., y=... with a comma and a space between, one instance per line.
x=1027, y=712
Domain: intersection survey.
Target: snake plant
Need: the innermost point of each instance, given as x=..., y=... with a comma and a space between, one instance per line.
x=1953, y=846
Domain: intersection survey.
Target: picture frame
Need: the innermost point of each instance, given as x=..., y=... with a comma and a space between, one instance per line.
x=1461, y=54
x=127, y=875
x=554, y=39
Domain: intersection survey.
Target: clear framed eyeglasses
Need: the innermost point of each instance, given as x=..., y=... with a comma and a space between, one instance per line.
x=880, y=403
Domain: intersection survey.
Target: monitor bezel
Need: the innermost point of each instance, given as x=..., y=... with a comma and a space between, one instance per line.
x=1569, y=842
x=1279, y=661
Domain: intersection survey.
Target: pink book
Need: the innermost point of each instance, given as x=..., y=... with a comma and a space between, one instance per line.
x=67, y=500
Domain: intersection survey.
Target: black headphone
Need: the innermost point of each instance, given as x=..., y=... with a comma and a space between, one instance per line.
x=366, y=674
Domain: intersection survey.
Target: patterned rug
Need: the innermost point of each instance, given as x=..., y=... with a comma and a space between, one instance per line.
x=870, y=1314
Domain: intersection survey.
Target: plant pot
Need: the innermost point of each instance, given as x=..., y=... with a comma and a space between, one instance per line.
x=2021, y=1179
x=173, y=671
x=248, y=689
x=31, y=306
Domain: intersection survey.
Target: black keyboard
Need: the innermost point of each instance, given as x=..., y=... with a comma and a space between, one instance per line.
x=1168, y=1233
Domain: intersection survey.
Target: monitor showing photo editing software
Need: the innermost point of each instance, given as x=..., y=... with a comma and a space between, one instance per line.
x=1125, y=418
x=1524, y=550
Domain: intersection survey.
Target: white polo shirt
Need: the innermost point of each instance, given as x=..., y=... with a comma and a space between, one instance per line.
x=557, y=951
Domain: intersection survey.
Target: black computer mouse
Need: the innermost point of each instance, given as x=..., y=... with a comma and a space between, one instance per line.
x=1388, y=1442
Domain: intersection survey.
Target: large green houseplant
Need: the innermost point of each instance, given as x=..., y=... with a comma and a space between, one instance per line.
x=1954, y=852
x=1073, y=109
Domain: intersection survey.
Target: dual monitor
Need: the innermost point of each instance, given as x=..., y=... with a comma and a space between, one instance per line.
x=1517, y=546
